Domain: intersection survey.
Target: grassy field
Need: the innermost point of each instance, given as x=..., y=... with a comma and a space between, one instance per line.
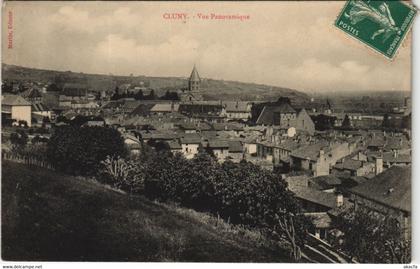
x=47, y=216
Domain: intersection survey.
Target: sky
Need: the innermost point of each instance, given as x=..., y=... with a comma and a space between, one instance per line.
x=288, y=44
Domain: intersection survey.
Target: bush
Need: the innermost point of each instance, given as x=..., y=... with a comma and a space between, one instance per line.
x=19, y=139
x=243, y=193
x=78, y=150
x=123, y=174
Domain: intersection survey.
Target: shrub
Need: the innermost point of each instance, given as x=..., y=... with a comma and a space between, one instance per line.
x=80, y=150
x=19, y=139
x=241, y=193
x=372, y=238
x=123, y=174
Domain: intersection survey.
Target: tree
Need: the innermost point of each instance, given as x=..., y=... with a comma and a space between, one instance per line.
x=346, y=122
x=19, y=139
x=241, y=193
x=323, y=122
x=116, y=94
x=53, y=88
x=123, y=174
x=170, y=96
x=372, y=238
x=139, y=95
x=152, y=95
x=80, y=150
x=386, y=123
x=292, y=227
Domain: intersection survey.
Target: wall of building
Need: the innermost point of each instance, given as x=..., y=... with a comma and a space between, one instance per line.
x=304, y=123
x=189, y=150
x=250, y=148
x=22, y=113
x=221, y=154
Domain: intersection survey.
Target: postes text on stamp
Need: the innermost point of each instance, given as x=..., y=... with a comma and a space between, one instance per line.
x=382, y=25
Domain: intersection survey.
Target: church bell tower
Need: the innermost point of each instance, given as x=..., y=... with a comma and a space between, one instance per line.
x=194, y=81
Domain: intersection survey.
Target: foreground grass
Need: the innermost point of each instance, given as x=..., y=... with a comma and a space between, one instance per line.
x=52, y=217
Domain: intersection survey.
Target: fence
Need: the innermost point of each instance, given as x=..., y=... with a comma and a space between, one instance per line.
x=26, y=159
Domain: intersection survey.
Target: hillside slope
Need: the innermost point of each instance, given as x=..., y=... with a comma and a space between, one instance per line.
x=51, y=217
x=212, y=89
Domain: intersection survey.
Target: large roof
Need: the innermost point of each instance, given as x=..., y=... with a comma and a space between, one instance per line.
x=235, y=146
x=349, y=164
x=237, y=106
x=194, y=75
x=391, y=187
x=168, y=107
x=315, y=196
x=310, y=152
x=14, y=100
x=267, y=114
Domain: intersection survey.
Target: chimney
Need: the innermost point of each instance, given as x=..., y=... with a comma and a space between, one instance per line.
x=339, y=200
x=395, y=152
x=379, y=165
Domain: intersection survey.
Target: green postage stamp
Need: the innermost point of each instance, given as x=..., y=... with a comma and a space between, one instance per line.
x=382, y=25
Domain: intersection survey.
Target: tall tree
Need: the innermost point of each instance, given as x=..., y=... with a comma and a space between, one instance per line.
x=80, y=150
x=372, y=238
x=346, y=124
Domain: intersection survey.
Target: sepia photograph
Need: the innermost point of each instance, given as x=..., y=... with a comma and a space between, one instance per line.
x=206, y=132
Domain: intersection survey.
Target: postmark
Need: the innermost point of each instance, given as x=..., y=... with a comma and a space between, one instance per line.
x=382, y=25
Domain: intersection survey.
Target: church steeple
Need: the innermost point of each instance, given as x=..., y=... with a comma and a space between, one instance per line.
x=194, y=81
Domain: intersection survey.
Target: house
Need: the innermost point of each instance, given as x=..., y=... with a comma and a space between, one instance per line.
x=328, y=183
x=158, y=136
x=133, y=143
x=236, y=150
x=164, y=108
x=175, y=146
x=15, y=107
x=394, y=158
x=194, y=127
x=317, y=204
x=304, y=122
x=322, y=223
x=238, y=110
x=285, y=116
x=206, y=110
x=282, y=151
x=219, y=148
x=190, y=144
x=387, y=194
x=320, y=157
x=350, y=167
x=251, y=146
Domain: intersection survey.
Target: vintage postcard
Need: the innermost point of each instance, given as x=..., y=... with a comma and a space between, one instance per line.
x=263, y=132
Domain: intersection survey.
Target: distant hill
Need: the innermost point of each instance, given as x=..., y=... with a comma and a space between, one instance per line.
x=212, y=89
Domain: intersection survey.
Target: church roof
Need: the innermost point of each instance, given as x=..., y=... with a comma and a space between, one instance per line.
x=194, y=75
